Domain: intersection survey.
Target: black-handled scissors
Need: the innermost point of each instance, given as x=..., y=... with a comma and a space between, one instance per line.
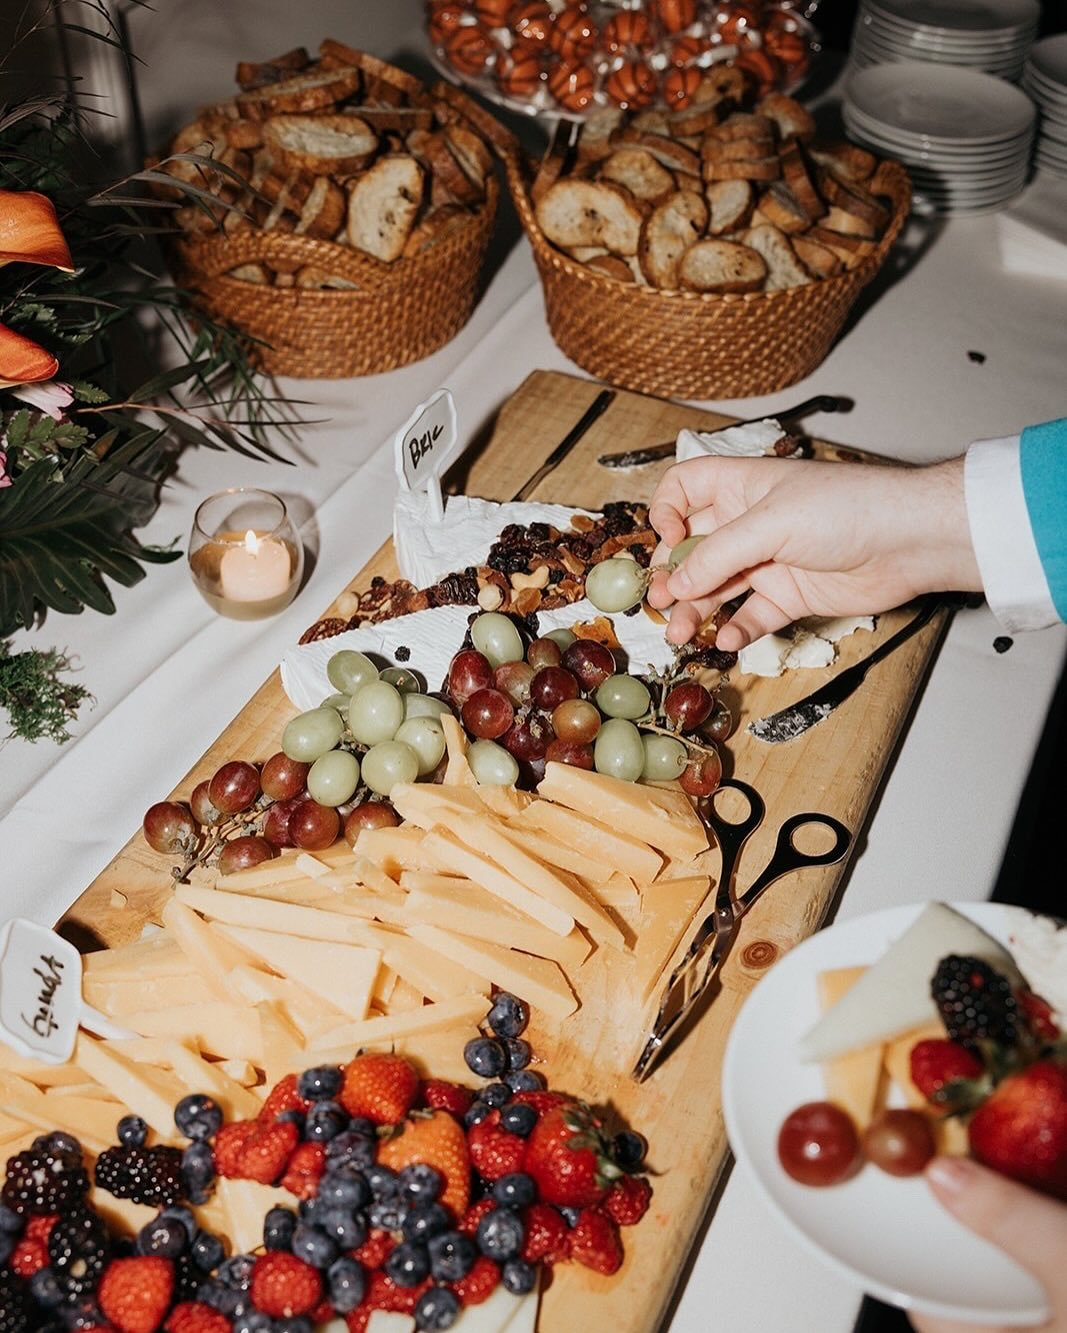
x=712, y=942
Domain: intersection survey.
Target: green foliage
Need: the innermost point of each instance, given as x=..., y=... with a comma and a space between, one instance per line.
x=38, y=703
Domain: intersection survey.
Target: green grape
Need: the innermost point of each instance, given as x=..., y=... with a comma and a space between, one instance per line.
x=387, y=763
x=492, y=765
x=564, y=637
x=497, y=639
x=426, y=737
x=349, y=671
x=679, y=552
x=616, y=584
x=423, y=705
x=313, y=733
x=665, y=758
x=618, y=750
x=338, y=701
x=333, y=778
x=623, y=696
x=404, y=680
x=375, y=713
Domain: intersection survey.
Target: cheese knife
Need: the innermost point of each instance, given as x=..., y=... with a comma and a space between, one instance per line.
x=596, y=408
x=789, y=723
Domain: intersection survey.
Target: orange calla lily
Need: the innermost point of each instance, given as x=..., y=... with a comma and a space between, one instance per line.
x=22, y=361
x=30, y=232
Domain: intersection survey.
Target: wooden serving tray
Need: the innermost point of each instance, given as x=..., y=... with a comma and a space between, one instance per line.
x=836, y=767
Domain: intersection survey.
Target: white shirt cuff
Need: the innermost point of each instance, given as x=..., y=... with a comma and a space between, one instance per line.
x=1012, y=575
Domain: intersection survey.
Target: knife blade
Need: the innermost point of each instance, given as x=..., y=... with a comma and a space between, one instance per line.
x=596, y=408
x=789, y=723
x=822, y=402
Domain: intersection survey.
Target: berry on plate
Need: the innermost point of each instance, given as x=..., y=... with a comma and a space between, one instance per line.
x=1021, y=1127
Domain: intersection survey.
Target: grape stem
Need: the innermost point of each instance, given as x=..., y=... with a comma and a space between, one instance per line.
x=221, y=833
x=648, y=725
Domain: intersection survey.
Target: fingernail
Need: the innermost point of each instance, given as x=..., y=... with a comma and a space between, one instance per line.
x=680, y=582
x=951, y=1175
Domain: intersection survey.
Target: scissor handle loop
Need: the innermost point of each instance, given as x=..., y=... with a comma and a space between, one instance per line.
x=731, y=834
x=787, y=856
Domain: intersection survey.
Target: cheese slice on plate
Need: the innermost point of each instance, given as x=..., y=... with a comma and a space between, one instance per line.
x=893, y=995
x=852, y=1080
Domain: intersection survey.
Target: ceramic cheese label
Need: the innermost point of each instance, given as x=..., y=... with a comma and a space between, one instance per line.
x=424, y=447
x=40, y=991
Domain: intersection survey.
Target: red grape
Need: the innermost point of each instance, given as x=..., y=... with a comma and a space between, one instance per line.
x=200, y=803
x=720, y=724
x=551, y=686
x=530, y=739
x=169, y=827
x=487, y=714
x=591, y=662
x=369, y=814
x=576, y=720
x=283, y=778
x=575, y=753
x=469, y=671
x=276, y=824
x=234, y=787
x=702, y=775
x=513, y=679
x=240, y=853
x=818, y=1144
x=313, y=826
x=543, y=653
x=687, y=705
x=900, y=1142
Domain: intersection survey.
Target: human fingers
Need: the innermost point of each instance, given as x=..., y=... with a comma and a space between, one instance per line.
x=757, y=615
x=751, y=539
x=686, y=487
x=686, y=618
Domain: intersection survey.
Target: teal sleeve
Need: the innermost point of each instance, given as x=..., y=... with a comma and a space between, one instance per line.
x=1043, y=466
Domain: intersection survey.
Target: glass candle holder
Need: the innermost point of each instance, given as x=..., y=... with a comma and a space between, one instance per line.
x=244, y=554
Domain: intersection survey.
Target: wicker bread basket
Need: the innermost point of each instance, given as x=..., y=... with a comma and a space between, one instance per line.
x=397, y=312
x=688, y=344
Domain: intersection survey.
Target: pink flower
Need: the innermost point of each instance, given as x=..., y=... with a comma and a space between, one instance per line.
x=51, y=397
x=5, y=480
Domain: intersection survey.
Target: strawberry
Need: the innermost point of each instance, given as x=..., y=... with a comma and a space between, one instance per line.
x=444, y=1096
x=938, y=1067
x=380, y=1086
x=358, y=1320
x=1021, y=1127
x=375, y=1249
x=541, y=1100
x=469, y=1222
x=1038, y=1014
x=282, y=1097
x=283, y=1285
x=28, y=1256
x=255, y=1149
x=479, y=1284
x=305, y=1170
x=196, y=1317
x=569, y=1158
x=494, y=1151
x=595, y=1242
x=547, y=1235
x=134, y=1294
x=436, y=1138
x=628, y=1200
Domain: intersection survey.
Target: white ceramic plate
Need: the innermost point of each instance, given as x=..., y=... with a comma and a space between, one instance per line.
x=888, y=1235
x=941, y=102
x=1049, y=58
x=973, y=16
x=963, y=154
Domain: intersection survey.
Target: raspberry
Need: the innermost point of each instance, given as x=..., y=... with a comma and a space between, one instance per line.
x=134, y=1293
x=628, y=1201
x=444, y=1096
x=146, y=1175
x=282, y=1097
x=375, y=1249
x=474, y=1214
x=595, y=1242
x=305, y=1170
x=28, y=1256
x=229, y=1143
x=283, y=1285
x=358, y=1320
x=479, y=1284
x=196, y=1317
x=384, y=1294
x=40, y=1227
x=255, y=1150
x=547, y=1235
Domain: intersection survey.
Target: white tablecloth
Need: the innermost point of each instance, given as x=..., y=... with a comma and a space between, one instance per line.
x=167, y=674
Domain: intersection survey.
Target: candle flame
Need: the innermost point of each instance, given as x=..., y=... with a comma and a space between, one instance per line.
x=251, y=542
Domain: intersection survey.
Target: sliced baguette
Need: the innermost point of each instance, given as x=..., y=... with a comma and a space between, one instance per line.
x=793, y=120
x=322, y=145
x=784, y=269
x=434, y=226
x=314, y=91
x=668, y=152
x=735, y=150
x=851, y=197
x=579, y=212
x=847, y=160
x=797, y=176
x=667, y=234
x=323, y=213
x=721, y=266
x=731, y=204
x=400, y=118
x=595, y=137
x=747, y=169
x=611, y=266
x=314, y=277
x=817, y=259
x=780, y=208
x=849, y=224
x=471, y=152
x=383, y=204
x=450, y=182
x=257, y=274
x=636, y=170
x=744, y=125
x=257, y=74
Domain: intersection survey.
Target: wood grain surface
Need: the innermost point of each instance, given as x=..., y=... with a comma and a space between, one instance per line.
x=836, y=767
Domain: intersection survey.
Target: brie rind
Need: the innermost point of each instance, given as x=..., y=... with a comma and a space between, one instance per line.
x=808, y=643
x=753, y=440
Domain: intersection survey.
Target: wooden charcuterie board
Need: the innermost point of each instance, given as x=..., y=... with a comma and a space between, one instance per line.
x=836, y=767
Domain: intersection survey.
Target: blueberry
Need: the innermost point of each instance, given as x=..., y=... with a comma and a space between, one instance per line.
x=293, y=1324
x=237, y=1271
x=501, y=1234
x=408, y=1264
x=347, y=1228
x=518, y=1276
x=64, y=1148
x=346, y=1283
x=314, y=1246
x=9, y=1219
x=519, y=1052
x=419, y=1182
x=524, y=1080
x=293, y=1116
x=317, y=1084
x=310, y=1210
x=198, y=1116
x=181, y=1214
x=452, y=1256
x=344, y=1188
x=436, y=1308
x=387, y=1214
x=164, y=1237
x=46, y=1290
x=278, y=1227
x=425, y=1220
x=8, y=1241
x=516, y=1190
x=382, y=1181
x=207, y=1251
x=508, y=1016
x=351, y=1148
x=496, y=1094
x=570, y=1215
x=359, y=1124
x=198, y=1163
x=230, y=1301
x=629, y=1149
x=518, y=1119
x=485, y=1057
x=84, y=1313
x=132, y=1131
x=476, y=1112
x=324, y=1121
x=254, y=1322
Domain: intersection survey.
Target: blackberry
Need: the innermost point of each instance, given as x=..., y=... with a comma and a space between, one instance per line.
x=44, y=1180
x=78, y=1250
x=975, y=1001
x=14, y=1303
x=145, y=1175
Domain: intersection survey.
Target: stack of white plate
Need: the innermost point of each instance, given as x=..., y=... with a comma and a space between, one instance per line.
x=1045, y=79
x=990, y=35
x=964, y=136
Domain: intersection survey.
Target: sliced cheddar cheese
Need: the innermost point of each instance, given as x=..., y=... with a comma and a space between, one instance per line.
x=614, y=850
x=852, y=1080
